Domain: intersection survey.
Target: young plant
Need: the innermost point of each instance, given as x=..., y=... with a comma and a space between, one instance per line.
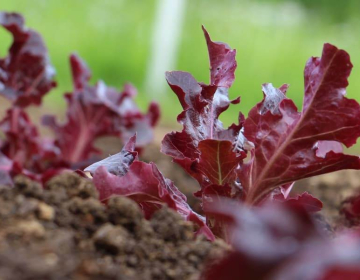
x=264, y=154
x=96, y=111
x=26, y=75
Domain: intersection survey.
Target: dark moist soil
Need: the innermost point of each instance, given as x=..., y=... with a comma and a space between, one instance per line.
x=64, y=232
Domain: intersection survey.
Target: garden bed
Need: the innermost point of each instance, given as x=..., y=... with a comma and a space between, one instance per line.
x=66, y=215
x=65, y=232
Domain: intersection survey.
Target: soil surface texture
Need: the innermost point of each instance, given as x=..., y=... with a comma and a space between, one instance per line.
x=65, y=232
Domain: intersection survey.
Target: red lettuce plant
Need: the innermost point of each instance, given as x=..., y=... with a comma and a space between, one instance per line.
x=253, y=162
x=26, y=75
x=256, y=160
x=95, y=111
x=264, y=154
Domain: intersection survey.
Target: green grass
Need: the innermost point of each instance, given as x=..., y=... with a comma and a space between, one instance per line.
x=273, y=42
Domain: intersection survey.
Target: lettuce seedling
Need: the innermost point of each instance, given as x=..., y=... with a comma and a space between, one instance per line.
x=264, y=154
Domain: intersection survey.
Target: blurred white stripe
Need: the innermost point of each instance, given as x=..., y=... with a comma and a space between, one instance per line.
x=165, y=42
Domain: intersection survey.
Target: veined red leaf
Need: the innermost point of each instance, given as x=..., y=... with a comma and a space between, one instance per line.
x=217, y=161
x=291, y=145
x=283, y=144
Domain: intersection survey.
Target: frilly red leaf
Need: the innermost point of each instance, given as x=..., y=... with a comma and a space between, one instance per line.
x=282, y=145
x=291, y=145
x=143, y=183
x=222, y=62
x=26, y=74
x=197, y=148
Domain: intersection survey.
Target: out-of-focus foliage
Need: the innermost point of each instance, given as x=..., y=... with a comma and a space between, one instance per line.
x=273, y=40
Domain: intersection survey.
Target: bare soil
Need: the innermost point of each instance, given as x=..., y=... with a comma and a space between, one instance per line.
x=65, y=232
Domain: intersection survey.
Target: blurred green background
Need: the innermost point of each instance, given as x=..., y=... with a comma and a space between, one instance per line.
x=116, y=37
